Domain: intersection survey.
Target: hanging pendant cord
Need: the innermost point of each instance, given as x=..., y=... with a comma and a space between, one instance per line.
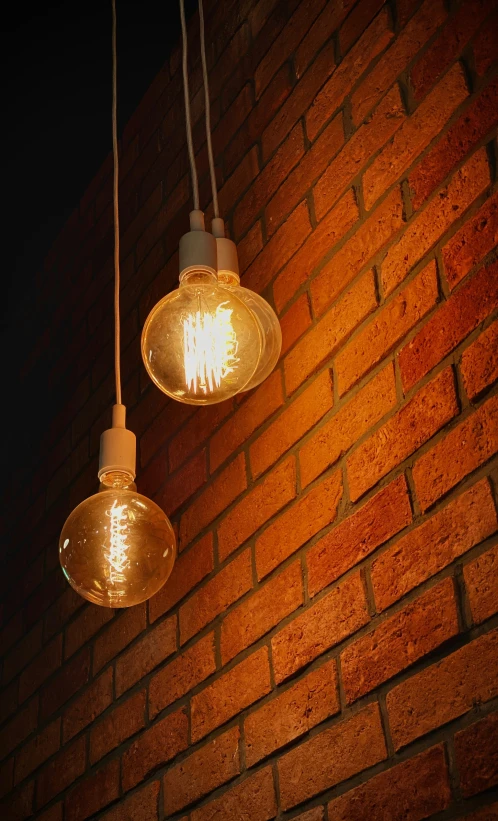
x=190, y=144
x=117, y=322
x=207, y=108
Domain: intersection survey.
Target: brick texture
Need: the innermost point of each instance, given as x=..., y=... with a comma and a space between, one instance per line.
x=478, y=744
x=481, y=581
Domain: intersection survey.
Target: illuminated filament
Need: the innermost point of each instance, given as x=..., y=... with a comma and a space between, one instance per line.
x=210, y=348
x=117, y=556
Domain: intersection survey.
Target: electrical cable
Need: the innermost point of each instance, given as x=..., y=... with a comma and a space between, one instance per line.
x=117, y=319
x=193, y=169
x=207, y=108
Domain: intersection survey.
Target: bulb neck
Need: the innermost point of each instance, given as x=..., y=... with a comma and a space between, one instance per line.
x=117, y=479
x=228, y=278
x=198, y=276
x=118, y=447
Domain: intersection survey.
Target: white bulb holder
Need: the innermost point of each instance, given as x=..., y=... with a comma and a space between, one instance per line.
x=118, y=446
x=197, y=249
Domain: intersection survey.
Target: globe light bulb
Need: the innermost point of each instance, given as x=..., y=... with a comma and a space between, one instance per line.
x=117, y=548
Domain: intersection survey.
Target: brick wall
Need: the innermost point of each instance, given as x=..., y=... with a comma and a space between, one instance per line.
x=327, y=646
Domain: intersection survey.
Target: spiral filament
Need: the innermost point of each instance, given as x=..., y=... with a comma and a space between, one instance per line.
x=118, y=551
x=210, y=348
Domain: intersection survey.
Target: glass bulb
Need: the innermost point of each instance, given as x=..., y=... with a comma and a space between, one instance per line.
x=201, y=344
x=268, y=321
x=117, y=548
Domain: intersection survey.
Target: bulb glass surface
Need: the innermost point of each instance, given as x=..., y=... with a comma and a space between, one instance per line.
x=201, y=344
x=117, y=548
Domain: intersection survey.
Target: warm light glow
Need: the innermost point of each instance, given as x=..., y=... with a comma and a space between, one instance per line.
x=210, y=348
x=117, y=555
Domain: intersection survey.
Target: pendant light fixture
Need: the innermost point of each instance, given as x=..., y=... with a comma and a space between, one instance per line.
x=201, y=344
x=117, y=548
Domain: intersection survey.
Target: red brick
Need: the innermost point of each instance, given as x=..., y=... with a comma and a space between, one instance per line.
x=195, y=432
x=40, y=668
x=53, y=814
x=313, y=163
x=255, y=509
x=248, y=418
x=181, y=675
x=454, y=320
x=475, y=122
x=279, y=249
x=6, y=777
x=19, y=806
x=412, y=790
x=88, y=706
x=388, y=327
x=226, y=587
x=11, y=633
x=118, y=635
x=433, y=545
x=295, y=322
x=94, y=793
x=36, y=751
x=489, y=813
x=158, y=643
x=476, y=751
x=466, y=447
x=123, y=721
x=415, y=423
x=249, y=247
x=183, y=484
x=213, y=500
x=400, y=641
x=358, y=252
x=446, y=48
x=22, y=653
x=269, y=179
x=261, y=611
x=229, y=695
x=190, y=568
x=325, y=624
x=159, y=744
x=363, y=144
x=70, y=678
x=202, y=771
x=406, y=45
x=444, y=691
x=313, y=815
x=481, y=581
x=320, y=32
x=292, y=713
x=61, y=771
x=141, y=806
x=426, y=229
x=485, y=45
x=84, y=627
x=61, y=611
x=254, y=798
x=318, y=246
x=337, y=753
x=320, y=343
x=356, y=22
x=415, y=133
x=296, y=420
x=309, y=514
x=352, y=540
x=8, y=702
x=472, y=242
x=354, y=64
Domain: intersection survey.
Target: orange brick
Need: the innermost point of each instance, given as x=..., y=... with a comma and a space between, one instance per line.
x=140, y=806
x=19, y=805
x=429, y=410
x=404, y=48
x=321, y=341
x=363, y=144
x=337, y=754
x=159, y=744
x=95, y=792
x=295, y=322
x=243, y=175
x=88, y=706
x=414, y=789
x=433, y=545
x=319, y=245
x=485, y=45
x=190, y=568
x=36, y=751
x=33, y=676
x=454, y=320
x=23, y=651
x=445, y=690
x=325, y=624
x=400, y=641
x=182, y=485
x=261, y=611
x=356, y=22
x=226, y=587
x=213, y=500
x=335, y=90
x=202, y=771
x=20, y=727
x=84, y=627
x=62, y=771
x=466, y=447
x=298, y=418
x=249, y=247
x=195, y=432
x=358, y=252
x=68, y=680
x=415, y=133
x=181, y=675
x=118, y=635
x=309, y=514
x=229, y=695
x=476, y=750
x=481, y=581
x=248, y=418
x=120, y=723
x=426, y=229
x=256, y=795
x=359, y=535
x=387, y=328
x=293, y=713
x=472, y=242
x=157, y=644
x=260, y=505
x=320, y=32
